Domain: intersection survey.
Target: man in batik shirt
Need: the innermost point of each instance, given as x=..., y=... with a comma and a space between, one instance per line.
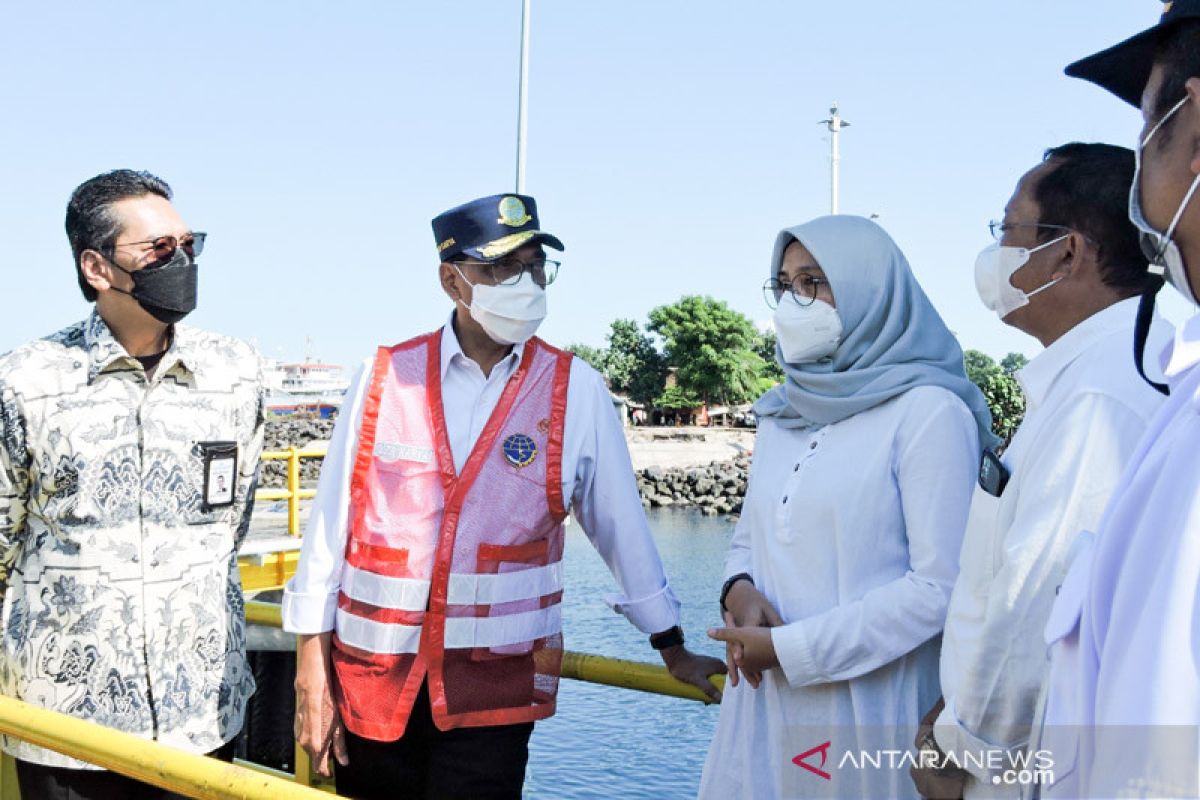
x=129, y=449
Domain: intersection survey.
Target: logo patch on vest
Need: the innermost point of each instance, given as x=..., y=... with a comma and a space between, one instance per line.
x=395, y=451
x=520, y=450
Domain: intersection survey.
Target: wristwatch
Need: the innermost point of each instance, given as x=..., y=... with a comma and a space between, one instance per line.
x=741, y=576
x=668, y=638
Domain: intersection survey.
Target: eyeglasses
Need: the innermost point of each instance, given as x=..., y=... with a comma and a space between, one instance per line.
x=999, y=228
x=508, y=271
x=804, y=290
x=164, y=247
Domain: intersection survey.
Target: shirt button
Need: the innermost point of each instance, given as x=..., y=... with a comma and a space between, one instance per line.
x=797, y=467
x=785, y=500
x=812, y=446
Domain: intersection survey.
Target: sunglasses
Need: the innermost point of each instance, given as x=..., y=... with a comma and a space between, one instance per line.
x=164, y=247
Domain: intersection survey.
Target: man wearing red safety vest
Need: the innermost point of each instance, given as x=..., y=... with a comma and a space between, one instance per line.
x=428, y=592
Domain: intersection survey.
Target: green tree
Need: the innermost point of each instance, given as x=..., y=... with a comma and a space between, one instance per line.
x=633, y=364
x=596, y=356
x=765, y=347
x=1000, y=390
x=713, y=348
x=676, y=399
x=1013, y=362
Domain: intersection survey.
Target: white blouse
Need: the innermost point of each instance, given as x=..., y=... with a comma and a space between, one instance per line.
x=852, y=531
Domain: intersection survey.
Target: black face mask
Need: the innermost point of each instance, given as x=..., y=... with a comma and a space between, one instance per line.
x=167, y=290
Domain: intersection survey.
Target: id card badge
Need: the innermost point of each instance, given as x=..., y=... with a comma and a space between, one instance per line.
x=219, y=462
x=993, y=475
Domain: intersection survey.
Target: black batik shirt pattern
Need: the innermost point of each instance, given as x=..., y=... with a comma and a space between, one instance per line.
x=122, y=598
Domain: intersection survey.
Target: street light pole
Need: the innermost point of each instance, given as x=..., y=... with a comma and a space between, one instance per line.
x=835, y=124
x=522, y=114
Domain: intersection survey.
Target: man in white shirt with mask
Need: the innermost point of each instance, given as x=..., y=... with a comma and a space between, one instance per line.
x=428, y=591
x=1066, y=269
x=1123, y=700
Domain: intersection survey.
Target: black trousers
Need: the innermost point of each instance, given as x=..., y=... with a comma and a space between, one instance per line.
x=60, y=783
x=428, y=764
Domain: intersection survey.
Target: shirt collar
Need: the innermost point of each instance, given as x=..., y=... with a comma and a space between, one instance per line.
x=1038, y=376
x=1182, y=353
x=451, y=349
x=105, y=352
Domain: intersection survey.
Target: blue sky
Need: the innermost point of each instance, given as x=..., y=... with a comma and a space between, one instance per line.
x=668, y=143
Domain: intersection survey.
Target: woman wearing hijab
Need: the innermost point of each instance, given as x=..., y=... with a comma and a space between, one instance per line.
x=840, y=568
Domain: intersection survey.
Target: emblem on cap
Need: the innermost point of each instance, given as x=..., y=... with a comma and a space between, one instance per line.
x=520, y=450
x=512, y=212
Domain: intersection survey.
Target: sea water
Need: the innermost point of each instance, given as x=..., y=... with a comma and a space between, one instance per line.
x=608, y=742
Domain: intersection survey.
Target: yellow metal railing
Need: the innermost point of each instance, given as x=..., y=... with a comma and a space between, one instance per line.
x=145, y=760
x=293, y=493
x=261, y=573
x=196, y=776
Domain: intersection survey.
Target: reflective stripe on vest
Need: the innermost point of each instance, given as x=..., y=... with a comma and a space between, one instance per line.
x=412, y=594
x=461, y=632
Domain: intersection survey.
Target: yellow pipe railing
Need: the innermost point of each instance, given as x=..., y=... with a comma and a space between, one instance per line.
x=636, y=675
x=293, y=493
x=196, y=776
x=144, y=759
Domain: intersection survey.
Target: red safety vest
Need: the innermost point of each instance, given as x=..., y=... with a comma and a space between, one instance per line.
x=453, y=578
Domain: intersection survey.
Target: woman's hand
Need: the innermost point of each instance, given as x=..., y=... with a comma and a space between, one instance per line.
x=751, y=651
x=746, y=607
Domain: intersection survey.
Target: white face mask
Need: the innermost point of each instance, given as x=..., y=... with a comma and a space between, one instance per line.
x=508, y=314
x=808, y=333
x=1163, y=253
x=994, y=268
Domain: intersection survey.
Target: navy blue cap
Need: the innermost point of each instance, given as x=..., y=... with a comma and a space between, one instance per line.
x=1124, y=68
x=489, y=228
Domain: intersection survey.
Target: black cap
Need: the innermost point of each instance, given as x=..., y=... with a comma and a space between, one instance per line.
x=489, y=228
x=1124, y=68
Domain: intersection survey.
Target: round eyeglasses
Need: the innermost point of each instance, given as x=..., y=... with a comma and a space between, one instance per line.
x=804, y=290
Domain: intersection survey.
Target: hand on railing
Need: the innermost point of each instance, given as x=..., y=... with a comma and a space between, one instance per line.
x=318, y=726
x=694, y=669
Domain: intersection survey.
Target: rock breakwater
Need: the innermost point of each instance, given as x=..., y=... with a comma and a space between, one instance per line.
x=716, y=488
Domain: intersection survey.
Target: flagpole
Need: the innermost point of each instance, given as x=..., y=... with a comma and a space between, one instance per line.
x=522, y=108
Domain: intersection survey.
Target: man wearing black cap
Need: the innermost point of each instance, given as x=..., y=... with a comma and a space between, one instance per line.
x=428, y=592
x=1124, y=632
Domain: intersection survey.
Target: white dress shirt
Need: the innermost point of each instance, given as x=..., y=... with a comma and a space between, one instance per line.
x=597, y=476
x=1086, y=409
x=1124, y=632
x=852, y=532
